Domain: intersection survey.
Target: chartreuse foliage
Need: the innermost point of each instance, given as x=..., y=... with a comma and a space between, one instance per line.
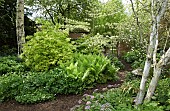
x=121, y=99
x=74, y=76
x=47, y=48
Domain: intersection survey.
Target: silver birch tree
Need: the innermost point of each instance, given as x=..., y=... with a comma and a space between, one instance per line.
x=20, y=25
x=160, y=7
x=157, y=72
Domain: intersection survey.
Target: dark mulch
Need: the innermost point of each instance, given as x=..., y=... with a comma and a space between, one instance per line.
x=62, y=102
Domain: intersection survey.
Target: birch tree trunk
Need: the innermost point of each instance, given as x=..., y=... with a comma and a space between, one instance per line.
x=20, y=25
x=152, y=48
x=157, y=72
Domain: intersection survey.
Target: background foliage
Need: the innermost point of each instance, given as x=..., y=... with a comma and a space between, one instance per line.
x=8, y=39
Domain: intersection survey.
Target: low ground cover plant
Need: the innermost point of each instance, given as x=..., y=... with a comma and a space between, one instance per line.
x=32, y=87
x=11, y=64
x=122, y=99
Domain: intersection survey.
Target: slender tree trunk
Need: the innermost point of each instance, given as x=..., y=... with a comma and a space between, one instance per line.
x=20, y=25
x=147, y=66
x=157, y=72
x=151, y=48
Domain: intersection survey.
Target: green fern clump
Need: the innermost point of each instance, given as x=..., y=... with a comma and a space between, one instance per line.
x=47, y=48
x=90, y=68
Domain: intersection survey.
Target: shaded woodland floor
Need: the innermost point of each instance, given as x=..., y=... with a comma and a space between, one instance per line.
x=63, y=102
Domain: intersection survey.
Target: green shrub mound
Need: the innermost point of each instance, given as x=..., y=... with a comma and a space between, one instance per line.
x=136, y=58
x=122, y=99
x=47, y=48
x=10, y=64
x=117, y=62
x=76, y=75
x=134, y=55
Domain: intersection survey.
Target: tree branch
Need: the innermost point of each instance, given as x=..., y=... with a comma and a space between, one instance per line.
x=137, y=21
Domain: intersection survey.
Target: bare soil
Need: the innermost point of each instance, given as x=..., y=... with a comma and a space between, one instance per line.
x=62, y=102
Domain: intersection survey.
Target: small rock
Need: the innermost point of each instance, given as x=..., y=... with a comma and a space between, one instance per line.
x=104, y=89
x=74, y=108
x=110, y=86
x=80, y=101
x=95, y=90
x=137, y=71
x=91, y=97
x=85, y=95
x=88, y=103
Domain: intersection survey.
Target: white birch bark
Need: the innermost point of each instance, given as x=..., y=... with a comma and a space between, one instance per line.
x=157, y=72
x=20, y=25
x=152, y=48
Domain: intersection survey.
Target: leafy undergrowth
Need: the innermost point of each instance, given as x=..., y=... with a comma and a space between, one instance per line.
x=11, y=64
x=122, y=99
x=49, y=65
x=80, y=73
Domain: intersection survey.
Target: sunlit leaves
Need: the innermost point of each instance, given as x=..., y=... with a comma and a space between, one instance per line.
x=47, y=48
